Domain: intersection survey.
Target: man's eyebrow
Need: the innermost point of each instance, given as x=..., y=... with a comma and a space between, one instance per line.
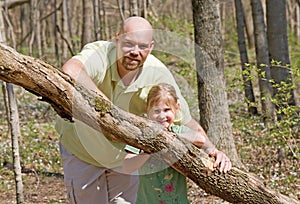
x=133, y=41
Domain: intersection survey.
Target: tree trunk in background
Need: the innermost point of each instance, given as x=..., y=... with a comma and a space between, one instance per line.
x=249, y=95
x=14, y=126
x=293, y=16
x=13, y=123
x=248, y=22
x=297, y=32
x=35, y=40
x=278, y=44
x=45, y=36
x=87, y=19
x=2, y=27
x=223, y=16
x=214, y=112
x=226, y=16
x=95, y=7
x=121, y=9
x=145, y=9
x=101, y=27
x=55, y=34
x=72, y=101
x=124, y=6
x=262, y=60
x=104, y=21
x=133, y=8
x=65, y=30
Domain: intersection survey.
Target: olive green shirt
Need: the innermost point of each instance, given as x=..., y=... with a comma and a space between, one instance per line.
x=99, y=60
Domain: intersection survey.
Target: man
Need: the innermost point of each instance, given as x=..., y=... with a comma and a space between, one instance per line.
x=124, y=71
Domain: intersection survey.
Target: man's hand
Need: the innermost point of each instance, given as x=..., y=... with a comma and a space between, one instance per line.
x=222, y=162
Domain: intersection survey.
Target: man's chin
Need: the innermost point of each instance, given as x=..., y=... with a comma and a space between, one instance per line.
x=131, y=68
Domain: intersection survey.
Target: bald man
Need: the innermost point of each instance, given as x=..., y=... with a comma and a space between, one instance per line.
x=123, y=70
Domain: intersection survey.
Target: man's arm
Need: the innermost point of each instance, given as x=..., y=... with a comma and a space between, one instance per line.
x=222, y=161
x=75, y=69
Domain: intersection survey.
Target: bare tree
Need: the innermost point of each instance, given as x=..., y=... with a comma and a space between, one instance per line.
x=35, y=40
x=15, y=134
x=262, y=60
x=133, y=8
x=13, y=121
x=87, y=19
x=65, y=29
x=278, y=45
x=293, y=16
x=249, y=95
x=105, y=32
x=121, y=9
x=145, y=9
x=248, y=22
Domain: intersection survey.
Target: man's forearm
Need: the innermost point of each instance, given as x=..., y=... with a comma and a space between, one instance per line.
x=75, y=69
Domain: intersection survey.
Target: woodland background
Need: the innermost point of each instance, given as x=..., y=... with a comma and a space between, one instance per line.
x=54, y=30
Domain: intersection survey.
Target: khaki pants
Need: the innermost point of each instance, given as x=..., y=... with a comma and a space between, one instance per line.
x=86, y=183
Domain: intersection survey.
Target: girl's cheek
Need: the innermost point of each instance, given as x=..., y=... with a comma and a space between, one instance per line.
x=153, y=116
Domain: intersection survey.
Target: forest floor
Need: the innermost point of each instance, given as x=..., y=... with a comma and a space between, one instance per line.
x=44, y=189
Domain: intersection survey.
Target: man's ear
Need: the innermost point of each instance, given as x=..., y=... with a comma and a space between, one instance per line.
x=117, y=36
x=152, y=43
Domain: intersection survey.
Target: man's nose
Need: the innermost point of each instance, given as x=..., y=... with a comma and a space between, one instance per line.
x=135, y=49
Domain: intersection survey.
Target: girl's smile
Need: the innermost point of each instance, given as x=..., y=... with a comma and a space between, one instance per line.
x=162, y=113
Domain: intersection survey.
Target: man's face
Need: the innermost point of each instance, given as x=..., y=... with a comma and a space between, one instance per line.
x=133, y=49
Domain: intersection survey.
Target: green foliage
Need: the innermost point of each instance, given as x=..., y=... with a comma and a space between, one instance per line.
x=271, y=152
x=38, y=144
x=285, y=130
x=182, y=28
x=170, y=23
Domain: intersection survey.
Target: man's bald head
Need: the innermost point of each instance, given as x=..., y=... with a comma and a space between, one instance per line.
x=135, y=23
x=134, y=43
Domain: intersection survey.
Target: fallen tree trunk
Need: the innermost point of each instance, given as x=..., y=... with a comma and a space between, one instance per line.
x=70, y=101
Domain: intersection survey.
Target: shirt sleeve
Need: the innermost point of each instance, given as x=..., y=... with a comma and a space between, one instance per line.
x=94, y=57
x=132, y=149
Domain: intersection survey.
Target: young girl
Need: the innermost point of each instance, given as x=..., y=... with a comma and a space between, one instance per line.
x=160, y=183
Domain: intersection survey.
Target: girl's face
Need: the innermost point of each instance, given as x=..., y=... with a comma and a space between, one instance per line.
x=162, y=113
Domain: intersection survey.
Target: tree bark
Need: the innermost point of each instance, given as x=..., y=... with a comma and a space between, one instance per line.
x=214, y=111
x=262, y=60
x=248, y=22
x=248, y=88
x=14, y=126
x=133, y=8
x=277, y=36
x=73, y=101
x=87, y=25
x=13, y=3
x=15, y=134
x=65, y=30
